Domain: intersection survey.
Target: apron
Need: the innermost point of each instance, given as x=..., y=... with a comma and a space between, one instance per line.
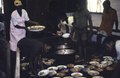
x=15, y=33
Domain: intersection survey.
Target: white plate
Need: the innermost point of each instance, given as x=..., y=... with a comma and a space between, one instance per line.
x=107, y=57
x=93, y=72
x=56, y=77
x=68, y=77
x=43, y=72
x=97, y=77
x=53, y=68
x=79, y=66
x=76, y=74
x=52, y=72
x=66, y=35
x=81, y=77
x=62, y=67
x=107, y=63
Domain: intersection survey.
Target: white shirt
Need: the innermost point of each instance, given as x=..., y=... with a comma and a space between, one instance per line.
x=15, y=33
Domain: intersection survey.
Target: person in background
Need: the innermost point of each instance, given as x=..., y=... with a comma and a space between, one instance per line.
x=82, y=20
x=109, y=47
x=109, y=17
x=17, y=24
x=2, y=27
x=17, y=30
x=116, y=72
x=53, y=16
x=63, y=24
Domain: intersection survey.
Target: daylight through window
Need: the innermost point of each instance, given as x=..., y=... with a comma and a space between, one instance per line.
x=1, y=7
x=95, y=5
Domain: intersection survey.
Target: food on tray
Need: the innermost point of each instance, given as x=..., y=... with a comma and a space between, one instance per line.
x=76, y=74
x=43, y=72
x=96, y=59
x=60, y=74
x=81, y=77
x=56, y=77
x=70, y=65
x=64, y=70
x=93, y=62
x=97, y=77
x=52, y=72
x=62, y=67
x=68, y=77
x=102, y=65
x=47, y=61
x=93, y=73
x=53, y=68
x=108, y=58
x=107, y=63
x=74, y=69
x=36, y=28
x=79, y=66
x=91, y=67
x=99, y=69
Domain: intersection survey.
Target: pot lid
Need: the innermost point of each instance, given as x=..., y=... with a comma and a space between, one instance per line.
x=65, y=51
x=62, y=46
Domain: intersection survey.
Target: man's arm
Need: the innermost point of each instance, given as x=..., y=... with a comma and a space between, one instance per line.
x=116, y=20
x=90, y=22
x=116, y=24
x=20, y=27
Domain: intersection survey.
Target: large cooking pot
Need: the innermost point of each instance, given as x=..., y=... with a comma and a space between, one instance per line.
x=65, y=51
x=65, y=56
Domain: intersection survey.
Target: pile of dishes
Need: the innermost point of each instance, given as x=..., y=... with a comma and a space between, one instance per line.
x=64, y=71
x=93, y=69
x=96, y=66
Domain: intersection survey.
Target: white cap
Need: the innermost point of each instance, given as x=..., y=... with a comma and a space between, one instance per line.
x=17, y=3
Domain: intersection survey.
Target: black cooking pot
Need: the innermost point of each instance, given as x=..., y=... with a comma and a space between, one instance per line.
x=65, y=56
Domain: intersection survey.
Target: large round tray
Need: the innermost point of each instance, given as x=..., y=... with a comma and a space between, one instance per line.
x=36, y=28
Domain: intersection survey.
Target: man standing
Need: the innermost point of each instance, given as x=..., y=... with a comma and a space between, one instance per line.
x=109, y=17
x=82, y=19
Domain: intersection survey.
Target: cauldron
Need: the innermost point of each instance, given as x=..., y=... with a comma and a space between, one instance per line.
x=65, y=56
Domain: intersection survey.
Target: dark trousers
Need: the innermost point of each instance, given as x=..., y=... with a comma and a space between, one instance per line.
x=13, y=63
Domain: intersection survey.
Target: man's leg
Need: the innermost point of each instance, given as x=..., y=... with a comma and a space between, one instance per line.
x=13, y=63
